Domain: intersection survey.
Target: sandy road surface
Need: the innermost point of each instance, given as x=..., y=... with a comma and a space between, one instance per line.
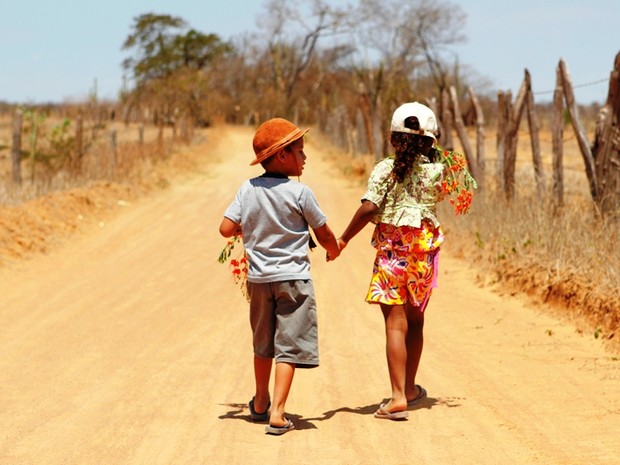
x=131, y=345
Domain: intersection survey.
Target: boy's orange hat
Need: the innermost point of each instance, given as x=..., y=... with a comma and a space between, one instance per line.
x=272, y=136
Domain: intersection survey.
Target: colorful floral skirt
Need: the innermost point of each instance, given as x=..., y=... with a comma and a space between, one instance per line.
x=405, y=267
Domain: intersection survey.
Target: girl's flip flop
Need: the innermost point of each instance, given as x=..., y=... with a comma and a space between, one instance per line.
x=421, y=395
x=278, y=430
x=384, y=414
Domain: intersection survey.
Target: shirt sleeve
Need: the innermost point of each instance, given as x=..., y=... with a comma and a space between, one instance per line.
x=379, y=183
x=233, y=212
x=310, y=207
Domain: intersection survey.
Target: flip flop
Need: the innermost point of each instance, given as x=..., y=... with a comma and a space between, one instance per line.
x=384, y=414
x=421, y=395
x=278, y=430
x=255, y=416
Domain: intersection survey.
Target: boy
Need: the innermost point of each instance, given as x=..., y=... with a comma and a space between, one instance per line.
x=272, y=213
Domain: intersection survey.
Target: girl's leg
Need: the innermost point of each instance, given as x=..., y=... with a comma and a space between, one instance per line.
x=262, y=373
x=282, y=386
x=396, y=325
x=414, y=342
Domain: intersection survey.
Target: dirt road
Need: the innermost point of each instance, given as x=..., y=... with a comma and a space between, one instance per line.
x=130, y=344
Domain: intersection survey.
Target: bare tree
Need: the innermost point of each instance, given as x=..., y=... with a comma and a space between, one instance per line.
x=293, y=29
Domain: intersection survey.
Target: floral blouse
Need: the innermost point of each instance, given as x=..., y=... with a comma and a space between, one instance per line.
x=409, y=202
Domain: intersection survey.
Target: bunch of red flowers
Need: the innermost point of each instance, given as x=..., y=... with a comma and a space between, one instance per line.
x=239, y=265
x=458, y=183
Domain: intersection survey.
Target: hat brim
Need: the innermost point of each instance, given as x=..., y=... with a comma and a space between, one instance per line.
x=276, y=147
x=420, y=132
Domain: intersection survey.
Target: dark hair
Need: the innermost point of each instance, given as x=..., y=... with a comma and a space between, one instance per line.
x=408, y=148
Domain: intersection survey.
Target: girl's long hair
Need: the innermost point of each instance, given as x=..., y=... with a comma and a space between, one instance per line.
x=408, y=148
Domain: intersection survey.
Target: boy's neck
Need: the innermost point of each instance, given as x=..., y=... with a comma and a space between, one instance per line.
x=274, y=174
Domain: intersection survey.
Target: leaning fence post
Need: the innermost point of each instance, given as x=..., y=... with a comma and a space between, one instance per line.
x=580, y=132
x=16, y=152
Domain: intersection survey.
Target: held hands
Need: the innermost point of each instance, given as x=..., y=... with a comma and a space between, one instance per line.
x=341, y=245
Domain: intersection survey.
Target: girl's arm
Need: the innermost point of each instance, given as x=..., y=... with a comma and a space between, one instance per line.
x=361, y=218
x=229, y=228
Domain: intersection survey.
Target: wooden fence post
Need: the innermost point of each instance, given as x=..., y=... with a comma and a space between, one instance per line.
x=446, y=120
x=532, y=122
x=503, y=114
x=112, y=155
x=462, y=133
x=16, y=150
x=366, y=111
x=606, y=148
x=557, y=133
x=582, y=138
x=79, y=143
x=479, y=137
x=512, y=139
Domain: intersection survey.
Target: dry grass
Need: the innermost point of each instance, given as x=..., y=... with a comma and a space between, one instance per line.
x=131, y=160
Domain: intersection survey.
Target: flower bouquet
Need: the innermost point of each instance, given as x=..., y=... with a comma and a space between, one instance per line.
x=458, y=183
x=238, y=265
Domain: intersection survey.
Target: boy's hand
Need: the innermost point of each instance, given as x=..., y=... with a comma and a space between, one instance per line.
x=331, y=257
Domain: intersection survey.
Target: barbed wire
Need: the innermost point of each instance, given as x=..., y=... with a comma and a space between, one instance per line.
x=579, y=86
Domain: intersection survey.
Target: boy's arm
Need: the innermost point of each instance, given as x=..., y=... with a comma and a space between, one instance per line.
x=229, y=228
x=327, y=239
x=360, y=219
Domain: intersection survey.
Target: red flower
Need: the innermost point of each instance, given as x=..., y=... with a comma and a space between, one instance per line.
x=458, y=181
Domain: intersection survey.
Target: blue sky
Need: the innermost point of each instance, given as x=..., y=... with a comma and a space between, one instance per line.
x=61, y=50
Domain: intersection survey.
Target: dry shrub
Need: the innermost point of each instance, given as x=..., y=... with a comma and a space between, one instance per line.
x=565, y=257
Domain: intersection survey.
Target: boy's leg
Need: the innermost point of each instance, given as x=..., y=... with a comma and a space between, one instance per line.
x=396, y=350
x=415, y=343
x=262, y=373
x=282, y=386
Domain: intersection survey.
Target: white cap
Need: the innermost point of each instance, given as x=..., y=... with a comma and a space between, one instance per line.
x=425, y=116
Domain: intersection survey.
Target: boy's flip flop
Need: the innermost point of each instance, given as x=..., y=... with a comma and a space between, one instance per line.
x=278, y=430
x=255, y=416
x=421, y=395
x=384, y=414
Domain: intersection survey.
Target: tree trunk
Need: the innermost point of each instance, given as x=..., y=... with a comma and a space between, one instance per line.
x=606, y=148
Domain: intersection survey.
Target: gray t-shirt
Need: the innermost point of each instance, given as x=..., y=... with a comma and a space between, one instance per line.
x=274, y=214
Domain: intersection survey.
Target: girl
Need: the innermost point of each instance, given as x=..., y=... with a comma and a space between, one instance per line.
x=400, y=200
